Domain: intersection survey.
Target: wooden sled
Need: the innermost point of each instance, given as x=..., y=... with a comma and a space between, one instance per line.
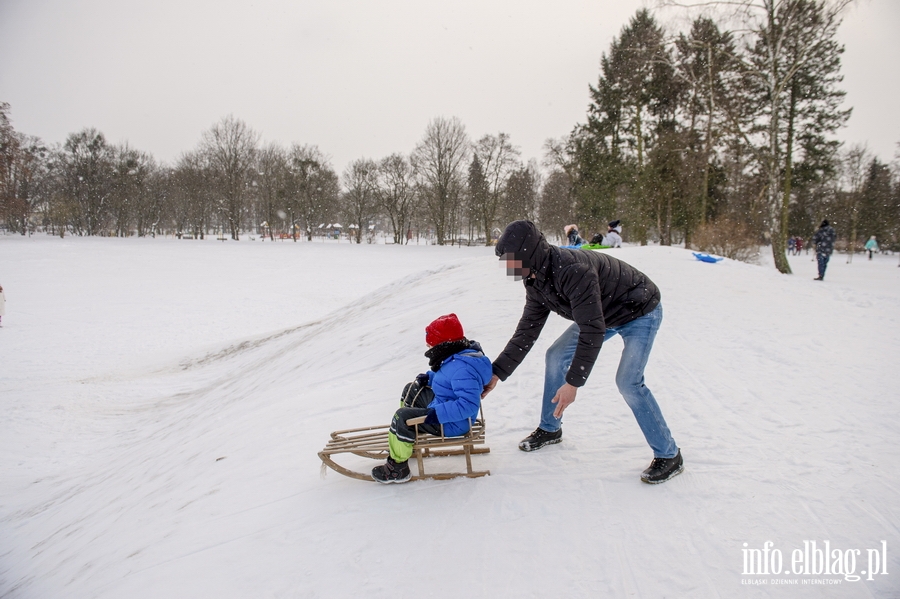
x=372, y=442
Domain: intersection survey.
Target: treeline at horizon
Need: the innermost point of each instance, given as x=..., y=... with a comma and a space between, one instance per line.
x=721, y=137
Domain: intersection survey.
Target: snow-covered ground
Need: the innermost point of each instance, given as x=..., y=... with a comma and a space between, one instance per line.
x=162, y=402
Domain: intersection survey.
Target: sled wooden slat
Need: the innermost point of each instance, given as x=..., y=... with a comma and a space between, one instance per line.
x=372, y=442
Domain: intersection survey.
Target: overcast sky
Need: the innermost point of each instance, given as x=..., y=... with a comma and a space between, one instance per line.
x=357, y=78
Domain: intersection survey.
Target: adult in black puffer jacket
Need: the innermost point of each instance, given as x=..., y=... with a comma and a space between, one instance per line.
x=824, y=240
x=603, y=296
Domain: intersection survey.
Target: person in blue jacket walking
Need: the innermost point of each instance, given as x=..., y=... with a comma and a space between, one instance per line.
x=449, y=395
x=872, y=246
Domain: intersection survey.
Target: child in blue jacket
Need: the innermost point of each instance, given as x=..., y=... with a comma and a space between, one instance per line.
x=449, y=395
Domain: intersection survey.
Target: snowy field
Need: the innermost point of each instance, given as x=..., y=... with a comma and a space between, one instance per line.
x=162, y=402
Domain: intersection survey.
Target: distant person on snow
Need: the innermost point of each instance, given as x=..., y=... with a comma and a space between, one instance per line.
x=612, y=238
x=2, y=305
x=823, y=240
x=872, y=246
x=573, y=236
x=604, y=297
x=449, y=395
x=613, y=235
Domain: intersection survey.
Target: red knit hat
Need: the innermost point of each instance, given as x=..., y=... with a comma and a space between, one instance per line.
x=445, y=328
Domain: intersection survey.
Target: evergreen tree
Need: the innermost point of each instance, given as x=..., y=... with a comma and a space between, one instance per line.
x=707, y=63
x=556, y=208
x=521, y=194
x=876, y=205
x=667, y=183
x=598, y=175
x=480, y=196
x=636, y=96
x=813, y=113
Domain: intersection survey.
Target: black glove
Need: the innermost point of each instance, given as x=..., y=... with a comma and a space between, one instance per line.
x=431, y=417
x=422, y=380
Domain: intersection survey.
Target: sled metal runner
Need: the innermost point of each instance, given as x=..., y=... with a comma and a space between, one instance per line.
x=372, y=442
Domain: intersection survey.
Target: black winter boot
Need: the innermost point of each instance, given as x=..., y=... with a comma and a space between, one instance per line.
x=392, y=472
x=539, y=438
x=662, y=469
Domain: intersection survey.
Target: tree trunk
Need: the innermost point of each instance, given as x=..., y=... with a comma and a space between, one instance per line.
x=788, y=171
x=778, y=237
x=704, y=193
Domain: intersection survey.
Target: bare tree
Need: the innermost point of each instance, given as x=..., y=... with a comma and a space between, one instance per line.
x=396, y=194
x=193, y=195
x=498, y=159
x=231, y=146
x=271, y=188
x=440, y=160
x=22, y=173
x=792, y=35
x=84, y=167
x=360, y=182
x=132, y=204
x=313, y=188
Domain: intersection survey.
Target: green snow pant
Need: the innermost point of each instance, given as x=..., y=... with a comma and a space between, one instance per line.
x=413, y=403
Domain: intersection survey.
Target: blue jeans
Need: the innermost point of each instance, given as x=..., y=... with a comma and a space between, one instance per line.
x=638, y=336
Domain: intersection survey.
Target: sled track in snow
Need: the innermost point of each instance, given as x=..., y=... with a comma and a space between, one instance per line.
x=310, y=330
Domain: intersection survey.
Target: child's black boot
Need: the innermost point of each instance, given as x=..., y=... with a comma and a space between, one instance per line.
x=392, y=472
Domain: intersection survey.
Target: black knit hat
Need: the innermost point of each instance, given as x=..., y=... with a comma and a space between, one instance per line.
x=523, y=241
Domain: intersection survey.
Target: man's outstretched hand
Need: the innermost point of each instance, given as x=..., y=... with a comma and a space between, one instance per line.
x=490, y=386
x=564, y=396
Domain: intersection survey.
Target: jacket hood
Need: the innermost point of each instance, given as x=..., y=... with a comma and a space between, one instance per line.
x=523, y=240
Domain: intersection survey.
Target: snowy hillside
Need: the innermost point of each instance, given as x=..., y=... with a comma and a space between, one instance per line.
x=162, y=403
